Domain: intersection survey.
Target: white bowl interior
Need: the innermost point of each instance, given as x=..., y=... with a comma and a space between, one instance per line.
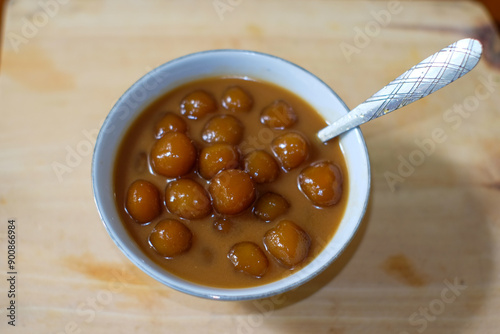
x=228, y=63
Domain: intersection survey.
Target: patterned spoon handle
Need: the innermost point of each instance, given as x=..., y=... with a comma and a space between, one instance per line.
x=433, y=73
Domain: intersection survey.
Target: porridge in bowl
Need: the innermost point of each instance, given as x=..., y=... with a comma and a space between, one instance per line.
x=223, y=182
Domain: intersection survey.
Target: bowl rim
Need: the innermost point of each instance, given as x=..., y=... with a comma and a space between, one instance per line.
x=209, y=292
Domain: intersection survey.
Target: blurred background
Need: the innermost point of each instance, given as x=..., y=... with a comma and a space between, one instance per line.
x=493, y=7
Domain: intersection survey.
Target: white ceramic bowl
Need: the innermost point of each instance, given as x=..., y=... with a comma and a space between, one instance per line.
x=228, y=63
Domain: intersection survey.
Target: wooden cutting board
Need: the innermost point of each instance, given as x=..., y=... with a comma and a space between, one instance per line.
x=426, y=257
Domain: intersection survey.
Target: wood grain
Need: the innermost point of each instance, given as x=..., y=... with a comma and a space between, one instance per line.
x=3, y=5
x=426, y=257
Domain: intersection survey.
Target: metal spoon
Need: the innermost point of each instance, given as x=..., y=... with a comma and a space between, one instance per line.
x=433, y=73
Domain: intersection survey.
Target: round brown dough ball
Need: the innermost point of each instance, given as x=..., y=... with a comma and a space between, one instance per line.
x=187, y=199
x=170, y=237
x=143, y=201
x=291, y=149
x=278, y=115
x=217, y=157
x=288, y=243
x=261, y=166
x=170, y=123
x=270, y=206
x=232, y=191
x=249, y=258
x=322, y=182
x=223, y=129
x=198, y=104
x=173, y=155
x=236, y=99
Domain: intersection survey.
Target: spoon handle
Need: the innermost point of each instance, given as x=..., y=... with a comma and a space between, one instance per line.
x=433, y=73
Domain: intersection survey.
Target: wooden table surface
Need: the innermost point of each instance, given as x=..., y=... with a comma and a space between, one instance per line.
x=427, y=256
